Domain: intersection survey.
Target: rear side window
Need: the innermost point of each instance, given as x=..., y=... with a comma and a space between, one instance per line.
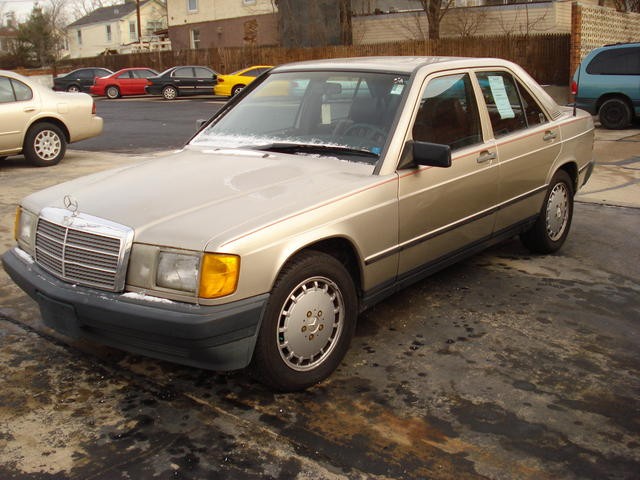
x=511, y=107
x=6, y=92
x=616, y=61
x=22, y=91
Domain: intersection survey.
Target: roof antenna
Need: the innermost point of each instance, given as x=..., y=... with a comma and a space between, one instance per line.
x=575, y=95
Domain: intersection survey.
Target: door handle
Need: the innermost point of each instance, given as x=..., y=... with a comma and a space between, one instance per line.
x=485, y=156
x=29, y=109
x=549, y=135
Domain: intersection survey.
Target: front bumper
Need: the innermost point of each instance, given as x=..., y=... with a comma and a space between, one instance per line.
x=220, y=337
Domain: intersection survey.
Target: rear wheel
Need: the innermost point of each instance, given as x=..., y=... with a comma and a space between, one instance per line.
x=113, y=92
x=44, y=144
x=552, y=226
x=73, y=88
x=236, y=90
x=169, y=92
x=615, y=114
x=308, y=323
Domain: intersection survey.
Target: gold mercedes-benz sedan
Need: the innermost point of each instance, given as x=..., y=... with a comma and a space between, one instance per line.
x=40, y=123
x=319, y=190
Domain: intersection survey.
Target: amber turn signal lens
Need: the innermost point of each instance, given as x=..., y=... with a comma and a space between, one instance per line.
x=218, y=275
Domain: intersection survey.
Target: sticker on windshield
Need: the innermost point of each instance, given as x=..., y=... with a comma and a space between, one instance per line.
x=397, y=89
x=499, y=92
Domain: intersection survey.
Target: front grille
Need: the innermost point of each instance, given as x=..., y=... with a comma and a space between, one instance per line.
x=86, y=252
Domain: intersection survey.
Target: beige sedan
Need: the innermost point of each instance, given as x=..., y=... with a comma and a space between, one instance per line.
x=39, y=123
x=326, y=187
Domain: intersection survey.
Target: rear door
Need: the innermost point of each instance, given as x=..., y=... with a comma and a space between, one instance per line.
x=204, y=80
x=17, y=107
x=527, y=145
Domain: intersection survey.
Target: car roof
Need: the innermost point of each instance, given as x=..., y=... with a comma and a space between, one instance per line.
x=399, y=64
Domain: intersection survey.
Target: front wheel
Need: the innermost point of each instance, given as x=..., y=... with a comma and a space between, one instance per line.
x=615, y=114
x=113, y=92
x=170, y=92
x=552, y=226
x=308, y=324
x=73, y=88
x=44, y=144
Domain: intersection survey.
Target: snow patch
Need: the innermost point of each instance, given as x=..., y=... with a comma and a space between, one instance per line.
x=23, y=255
x=145, y=297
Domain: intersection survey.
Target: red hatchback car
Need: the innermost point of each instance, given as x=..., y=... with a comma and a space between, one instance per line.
x=128, y=81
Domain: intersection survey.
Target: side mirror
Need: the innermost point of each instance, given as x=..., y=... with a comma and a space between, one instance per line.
x=427, y=154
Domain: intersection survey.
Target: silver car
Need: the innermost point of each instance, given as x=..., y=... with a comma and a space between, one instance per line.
x=319, y=190
x=40, y=123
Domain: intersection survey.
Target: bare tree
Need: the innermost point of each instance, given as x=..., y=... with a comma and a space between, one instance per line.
x=435, y=10
x=467, y=21
x=627, y=5
x=82, y=8
x=523, y=26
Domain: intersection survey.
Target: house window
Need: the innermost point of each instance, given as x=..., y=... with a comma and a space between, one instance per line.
x=153, y=26
x=192, y=5
x=133, y=31
x=248, y=2
x=79, y=37
x=108, y=28
x=195, y=38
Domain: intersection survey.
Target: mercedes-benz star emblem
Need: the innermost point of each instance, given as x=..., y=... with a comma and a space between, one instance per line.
x=71, y=204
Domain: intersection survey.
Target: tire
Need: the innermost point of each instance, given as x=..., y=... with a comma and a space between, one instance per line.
x=170, y=92
x=615, y=114
x=236, y=90
x=112, y=92
x=73, y=89
x=308, y=323
x=44, y=144
x=552, y=226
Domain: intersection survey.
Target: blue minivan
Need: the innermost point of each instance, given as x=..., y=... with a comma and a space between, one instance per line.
x=607, y=83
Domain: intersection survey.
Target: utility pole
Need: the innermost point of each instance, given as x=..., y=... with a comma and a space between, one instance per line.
x=139, y=26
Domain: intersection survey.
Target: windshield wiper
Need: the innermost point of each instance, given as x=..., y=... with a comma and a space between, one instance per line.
x=287, y=147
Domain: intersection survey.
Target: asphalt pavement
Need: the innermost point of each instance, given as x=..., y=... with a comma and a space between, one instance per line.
x=505, y=366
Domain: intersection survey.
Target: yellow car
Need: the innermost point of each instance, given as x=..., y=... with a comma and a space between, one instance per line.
x=230, y=85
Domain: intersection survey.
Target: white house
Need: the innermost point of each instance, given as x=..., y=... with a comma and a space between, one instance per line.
x=114, y=29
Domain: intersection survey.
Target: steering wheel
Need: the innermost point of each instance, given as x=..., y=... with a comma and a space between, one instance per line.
x=365, y=130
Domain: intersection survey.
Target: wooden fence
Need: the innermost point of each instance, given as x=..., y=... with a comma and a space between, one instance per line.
x=545, y=57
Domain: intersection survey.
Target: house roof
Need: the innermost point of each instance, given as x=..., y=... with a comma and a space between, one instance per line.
x=8, y=32
x=104, y=14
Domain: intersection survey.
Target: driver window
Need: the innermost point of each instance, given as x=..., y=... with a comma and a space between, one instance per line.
x=448, y=113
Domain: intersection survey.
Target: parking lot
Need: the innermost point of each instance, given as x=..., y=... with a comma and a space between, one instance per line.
x=505, y=366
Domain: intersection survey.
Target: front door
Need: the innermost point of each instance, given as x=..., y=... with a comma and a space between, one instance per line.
x=445, y=211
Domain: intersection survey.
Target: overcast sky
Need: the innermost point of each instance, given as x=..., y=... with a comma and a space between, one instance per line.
x=21, y=7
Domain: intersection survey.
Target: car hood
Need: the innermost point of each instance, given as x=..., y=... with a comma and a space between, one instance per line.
x=200, y=197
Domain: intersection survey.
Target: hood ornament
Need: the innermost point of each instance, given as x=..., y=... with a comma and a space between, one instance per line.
x=71, y=204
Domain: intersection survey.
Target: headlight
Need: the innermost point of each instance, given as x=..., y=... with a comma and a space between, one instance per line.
x=178, y=271
x=219, y=275
x=25, y=229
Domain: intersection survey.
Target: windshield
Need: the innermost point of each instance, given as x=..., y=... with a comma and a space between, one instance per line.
x=346, y=112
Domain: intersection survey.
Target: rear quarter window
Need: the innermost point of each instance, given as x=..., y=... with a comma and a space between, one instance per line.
x=616, y=61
